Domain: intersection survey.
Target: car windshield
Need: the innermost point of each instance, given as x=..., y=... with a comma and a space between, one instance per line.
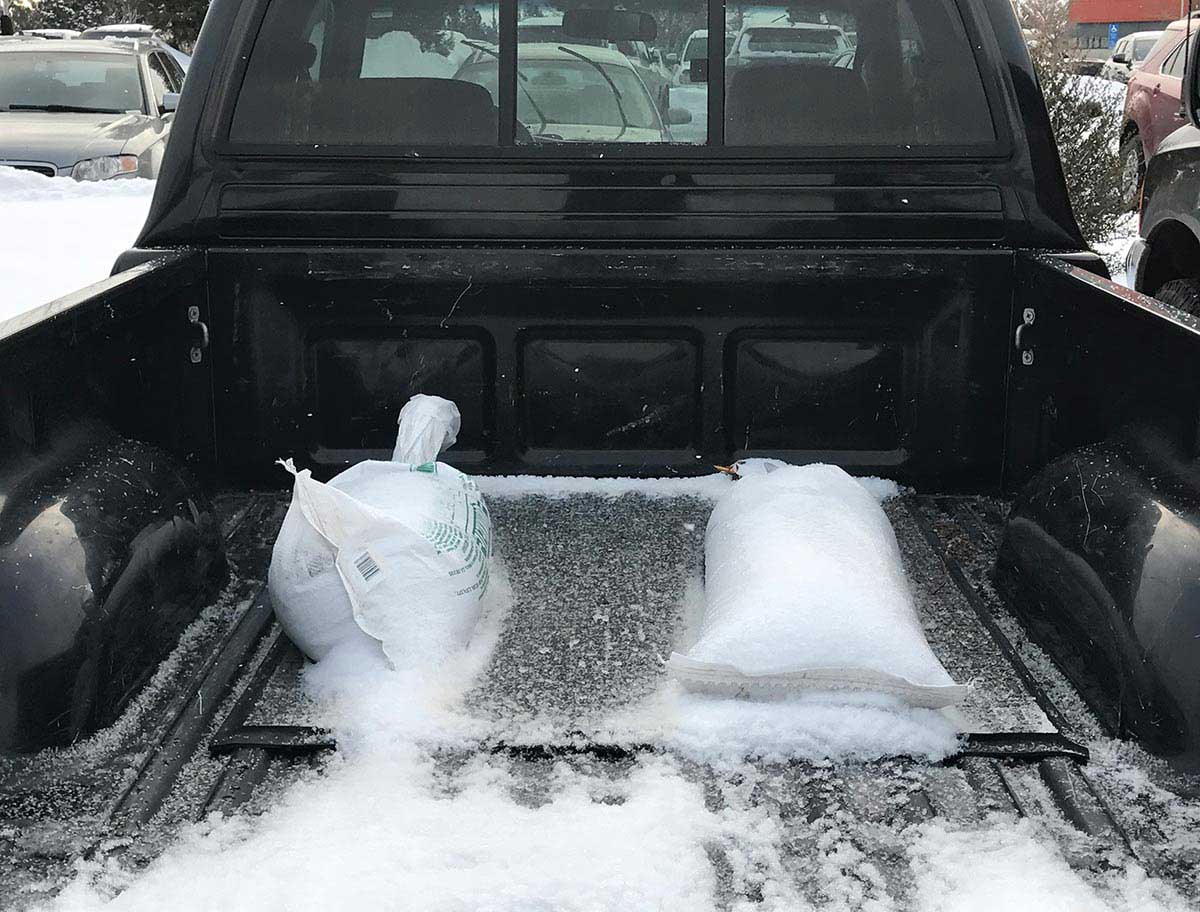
x=69, y=82
x=789, y=41
x=565, y=98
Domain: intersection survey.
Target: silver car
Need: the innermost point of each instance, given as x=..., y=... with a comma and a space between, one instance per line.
x=90, y=109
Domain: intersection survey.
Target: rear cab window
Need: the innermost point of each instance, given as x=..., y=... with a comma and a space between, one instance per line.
x=855, y=76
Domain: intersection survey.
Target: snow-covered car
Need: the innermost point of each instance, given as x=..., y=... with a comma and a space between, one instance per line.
x=139, y=31
x=90, y=109
x=780, y=40
x=695, y=48
x=1130, y=52
x=576, y=93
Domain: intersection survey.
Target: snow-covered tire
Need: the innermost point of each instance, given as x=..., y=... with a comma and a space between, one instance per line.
x=1133, y=169
x=1181, y=293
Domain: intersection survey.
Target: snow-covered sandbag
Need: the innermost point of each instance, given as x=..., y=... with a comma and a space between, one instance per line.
x=805, y=590
x=396, y=550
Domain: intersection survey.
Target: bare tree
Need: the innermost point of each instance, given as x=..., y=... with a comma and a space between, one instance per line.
x=1085, y=114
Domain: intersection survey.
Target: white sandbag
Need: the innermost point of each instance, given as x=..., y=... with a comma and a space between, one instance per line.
x=805, y=590
x=396, y=550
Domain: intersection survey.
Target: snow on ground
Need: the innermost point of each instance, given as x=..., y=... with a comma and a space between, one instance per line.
x=1114, y=250
x=58, y=235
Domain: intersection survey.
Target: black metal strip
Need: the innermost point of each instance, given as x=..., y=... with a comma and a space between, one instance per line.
x=985, y=617
x=244, y=704
x=199, y=703
x=716, y=73
x=507, y=71
x=243, y=773
x=1078, y=802
x=1023, y=747
x=279, y=739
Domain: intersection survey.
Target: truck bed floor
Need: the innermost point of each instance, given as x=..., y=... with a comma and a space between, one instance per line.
x=602, y=590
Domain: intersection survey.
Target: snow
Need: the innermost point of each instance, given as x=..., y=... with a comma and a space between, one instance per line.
x=805, y=589
x=1006, y=866
x=1107, y=91
x=58, y=235
x=411, y=814
x=1114, y=250
x=708, y=487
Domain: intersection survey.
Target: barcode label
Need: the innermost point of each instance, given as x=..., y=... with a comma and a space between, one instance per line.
x=366, y=566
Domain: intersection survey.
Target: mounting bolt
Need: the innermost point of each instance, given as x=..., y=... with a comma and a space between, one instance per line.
x=1027, y=357
x=197, y=355
x=1027, y=315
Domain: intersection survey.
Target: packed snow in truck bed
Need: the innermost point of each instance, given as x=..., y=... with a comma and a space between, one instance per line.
x=552, y=766
x=58, y=235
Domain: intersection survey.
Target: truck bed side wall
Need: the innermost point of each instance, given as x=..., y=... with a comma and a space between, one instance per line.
x=107, y=544
x=1101, y=554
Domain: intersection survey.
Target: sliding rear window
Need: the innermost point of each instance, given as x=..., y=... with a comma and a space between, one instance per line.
x=869, y=75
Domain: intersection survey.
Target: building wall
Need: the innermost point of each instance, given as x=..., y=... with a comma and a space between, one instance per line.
x=1121, y=11
x=1091, y=18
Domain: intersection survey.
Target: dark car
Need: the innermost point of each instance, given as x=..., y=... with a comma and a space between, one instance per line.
x=1165, y=259
x=1152, y=105
x=91, y=109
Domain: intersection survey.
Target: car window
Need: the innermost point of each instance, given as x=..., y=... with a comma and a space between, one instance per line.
x=368, y=72
x=1142, y=48
x=400, y=73
x=45, y=80
x=175, y=72
x=912, y=80
x=1174, y=64
x=1121, y=48
x=160, y=78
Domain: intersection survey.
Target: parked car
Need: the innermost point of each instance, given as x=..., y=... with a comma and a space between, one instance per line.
x=694, y=48
x=1164, y=260
x=135, y=30
x=649, y=63
x=1128, y=54
x=919, y=305
x=91, y=109
x=575, y=93
x=1152, y=104
x=777, y=39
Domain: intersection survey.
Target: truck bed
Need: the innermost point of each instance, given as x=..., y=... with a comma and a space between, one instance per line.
x=603, y=587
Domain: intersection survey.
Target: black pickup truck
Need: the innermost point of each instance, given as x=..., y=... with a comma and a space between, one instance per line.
x=872, y=264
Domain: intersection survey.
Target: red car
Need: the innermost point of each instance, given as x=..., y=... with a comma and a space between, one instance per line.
x=1152, y=103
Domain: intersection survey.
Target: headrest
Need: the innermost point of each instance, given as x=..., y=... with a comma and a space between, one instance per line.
x=795, y=104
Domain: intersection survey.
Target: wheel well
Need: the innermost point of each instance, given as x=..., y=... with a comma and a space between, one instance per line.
x=1174, y=254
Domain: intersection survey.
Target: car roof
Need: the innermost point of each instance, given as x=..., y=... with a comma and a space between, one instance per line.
x=137, y=27
x=542, y=20
x=70, y=45
x=1149, y=34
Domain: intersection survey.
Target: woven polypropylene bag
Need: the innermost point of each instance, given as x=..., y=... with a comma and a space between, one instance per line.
x=805, y=590
x=394, y=550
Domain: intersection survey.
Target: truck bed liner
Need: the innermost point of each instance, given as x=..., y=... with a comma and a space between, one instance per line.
x=602, y=590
